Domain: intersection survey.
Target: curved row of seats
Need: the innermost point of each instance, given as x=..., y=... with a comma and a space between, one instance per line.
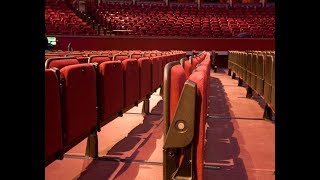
x=186, y=89
x=82, y=97
x=257, y=69
x=83, y=56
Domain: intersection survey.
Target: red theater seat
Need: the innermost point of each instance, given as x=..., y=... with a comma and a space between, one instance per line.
x=110, y=91
x=155, y=72
x=187, y=68
x=200, y=120
x=131, y=81
x=79, y=116
x=145, y=76
x=53, y=127
x=98, y=59
x=177, y=80
x=120, y=57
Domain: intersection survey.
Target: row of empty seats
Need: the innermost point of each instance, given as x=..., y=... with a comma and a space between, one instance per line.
x=156, y=19
x=186, y=89
x=257, y=69
x=209, y=21
x=83, y=56
x=81, y=97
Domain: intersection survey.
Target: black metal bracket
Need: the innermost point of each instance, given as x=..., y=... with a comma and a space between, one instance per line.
x=267, y=114
x=229, y=72
x=249, y=92
x=180, y=133
x=240, y=82
x=233, y=75
x=179, y=136
x=215, y=69
x=92, y=145
x=146, y=106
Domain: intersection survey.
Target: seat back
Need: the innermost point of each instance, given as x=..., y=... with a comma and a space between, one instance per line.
x=53, y=126
x=110, y=89
x=78, y=101
x=145, y=76
x=199, y=77
x=98, y=59
x=60, y=62
x=131, y=81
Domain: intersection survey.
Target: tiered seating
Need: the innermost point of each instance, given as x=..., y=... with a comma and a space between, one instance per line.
x=208, y=21
x=257, y=69
x=91, y=94
x=185, y=113
x=60, y=19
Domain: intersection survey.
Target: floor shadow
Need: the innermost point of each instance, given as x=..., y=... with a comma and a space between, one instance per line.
x=222, y=147
x=158, y=109
x=255, y=96
x=139, y=145
x=98, y=170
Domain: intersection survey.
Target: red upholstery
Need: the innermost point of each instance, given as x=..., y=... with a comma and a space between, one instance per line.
x=111, y=89
x=205, y=68
x=160, y=70
x=76, y=55
x=200, y=120
x=155, y=72
x=59, y=19
x=145, y=76
x=136, y=56
x=60, y=62
x=82, y=59
x=78, y=101
x=194, y=63
x=119, y=57
x=53, y=131
x=146, y=55
x=47, y=56
x=99, y=59
x=258, y=22
x=131, y=81
x=177, y=80
x=162, y=64
x=187, y=68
